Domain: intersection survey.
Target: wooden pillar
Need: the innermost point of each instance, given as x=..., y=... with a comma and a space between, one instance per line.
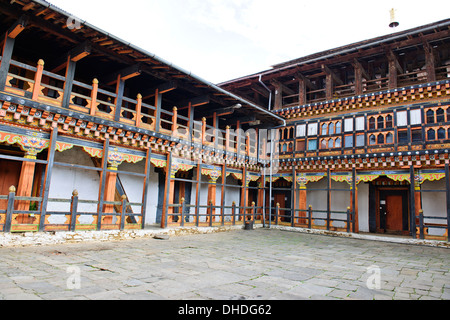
x=278, y=97
x=354, y=204
x=94, y=92
x=110, y=190
x=244, y=193
x=191, y=122
x=417, y=201
x=169, y=192
x=329, y=86
x=429, y=62
x=138, y=110
x=158, y=106
x=261, y=194
x=358, y=80
x=203, y=130
x=102, y=188
x=302, y=205
x=301, y=92
x=68, y=84
x=37, y=80
x=227, y=138
x=148, y=168
x=25, y=187
x=212, y=188
x=120, y=88
x=8, y=46
x=412, y=219
x=174, y=120
x=394, y=68
x=48, y=177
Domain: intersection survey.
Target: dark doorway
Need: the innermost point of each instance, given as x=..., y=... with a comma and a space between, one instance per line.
x=392, y=211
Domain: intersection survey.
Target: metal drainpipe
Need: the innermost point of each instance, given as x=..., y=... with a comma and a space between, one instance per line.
x=270, y=181
x=270, y=92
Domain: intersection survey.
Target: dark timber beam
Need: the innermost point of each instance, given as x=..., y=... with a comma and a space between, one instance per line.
x=394, y=68
x=74, y=55
x=17, y=27
x=359, y=74
x=429, y=61
x=125, y=74
x=162, y=88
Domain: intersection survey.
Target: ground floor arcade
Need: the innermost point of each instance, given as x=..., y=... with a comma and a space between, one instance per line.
x=51, y=182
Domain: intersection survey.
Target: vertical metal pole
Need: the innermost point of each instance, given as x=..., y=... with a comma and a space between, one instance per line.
x=197, y=201
x=48, y=177
x=244, y=180
x=412, y=203
x=328, y=198
x=167, y=194
x=447, y=188
x=102, y=184
x=222, y=203
x=353, y=219
x=263, y=184
x=294, y=184
x=271, y=175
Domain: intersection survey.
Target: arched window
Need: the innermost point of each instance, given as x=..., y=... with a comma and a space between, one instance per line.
x=337, y=143
x=372, y=123
x=284, y=147
x=431, y=134
x=380, y=122
x=430, y=116
x=372, y=139
x=380, y=139
x=338, y=127
x=441, y=134
x=331, y=128
x=389, y=121
x=389, y=138
x=290, y=147
x=324, y=129
x=324, y=144
x=440, y=116
x=331, y=144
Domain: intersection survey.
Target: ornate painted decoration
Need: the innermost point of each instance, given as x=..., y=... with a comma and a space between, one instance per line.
x=214, y=173
x=32, y=145
x=115, y=158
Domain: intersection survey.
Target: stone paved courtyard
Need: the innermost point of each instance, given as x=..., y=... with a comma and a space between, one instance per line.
x=260, y=264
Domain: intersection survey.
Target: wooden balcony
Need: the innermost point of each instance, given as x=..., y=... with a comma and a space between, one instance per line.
x=37, y=84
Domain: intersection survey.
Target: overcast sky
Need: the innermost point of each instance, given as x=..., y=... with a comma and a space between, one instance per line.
x=221, y=40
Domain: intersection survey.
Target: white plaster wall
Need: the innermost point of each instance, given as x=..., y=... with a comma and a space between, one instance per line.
x=65, y=180
x=363, y=206
x=134, y=188
x=340, y=200
x=434, y=204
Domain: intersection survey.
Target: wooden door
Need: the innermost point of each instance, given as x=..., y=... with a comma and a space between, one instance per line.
x=281, y=199
x=9, y=176
x=394, y=212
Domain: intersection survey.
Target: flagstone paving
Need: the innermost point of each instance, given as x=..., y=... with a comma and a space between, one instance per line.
x=258, y=265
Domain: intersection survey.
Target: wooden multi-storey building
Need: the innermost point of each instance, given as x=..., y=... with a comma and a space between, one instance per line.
x=372, y=117
x=96, y=134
